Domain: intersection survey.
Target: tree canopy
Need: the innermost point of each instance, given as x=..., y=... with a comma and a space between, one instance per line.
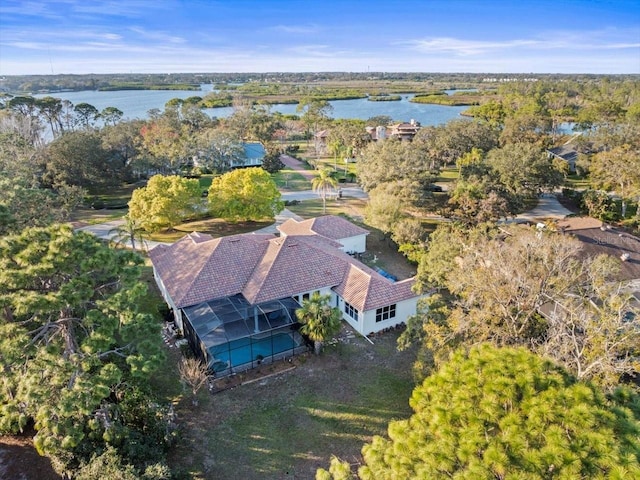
x=523, y=287
x=245, y=194
x=73, y=344
x=164, y=202
x=319, y=320
x=507, y=413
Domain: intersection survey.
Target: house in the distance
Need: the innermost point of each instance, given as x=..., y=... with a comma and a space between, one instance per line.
x=253, y=155
x=404, y=130
x=567, y=154
x=235, y=297
x=401, y=131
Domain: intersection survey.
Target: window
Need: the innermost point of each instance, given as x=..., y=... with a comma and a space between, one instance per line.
x=351, y=311
x=385, y=313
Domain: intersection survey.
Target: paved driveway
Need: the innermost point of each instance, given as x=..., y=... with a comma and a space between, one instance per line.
x=548, y=208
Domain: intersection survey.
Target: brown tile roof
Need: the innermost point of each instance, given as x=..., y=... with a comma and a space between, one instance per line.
x=293, y=265
x=199, y=268
x=263, y=268
x=366, y=289
x=598, y=238
x=330, y=226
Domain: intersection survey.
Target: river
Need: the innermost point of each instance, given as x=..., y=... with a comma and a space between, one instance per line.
x=137, y=103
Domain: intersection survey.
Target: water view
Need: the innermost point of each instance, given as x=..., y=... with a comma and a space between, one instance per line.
x=137, y=103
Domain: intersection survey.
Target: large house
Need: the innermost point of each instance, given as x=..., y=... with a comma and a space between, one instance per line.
x=235, y=297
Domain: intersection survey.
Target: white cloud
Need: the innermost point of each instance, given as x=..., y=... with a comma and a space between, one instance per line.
x=157, y=36
x=297, y=29
x=558, y=40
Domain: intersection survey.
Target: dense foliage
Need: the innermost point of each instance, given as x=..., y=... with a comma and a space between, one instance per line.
x=245, y=194
x=74, y=348
x=506, y=413
x=164, y=202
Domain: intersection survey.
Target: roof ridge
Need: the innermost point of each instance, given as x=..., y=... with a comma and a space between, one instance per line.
x=194, y=278
x=276, y=241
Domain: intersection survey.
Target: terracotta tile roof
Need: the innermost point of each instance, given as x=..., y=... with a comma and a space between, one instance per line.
x=365, y=289
x=292, y=265
x=199, y=268
x=330, y=226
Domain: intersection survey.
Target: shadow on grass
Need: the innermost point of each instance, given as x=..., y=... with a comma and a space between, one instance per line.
x=289, y=426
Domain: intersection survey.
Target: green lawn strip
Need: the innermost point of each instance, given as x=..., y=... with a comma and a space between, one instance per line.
x=291, y=424
x=111, y=198
x=205, y=181
x=448, y=175
x=577, y=182
x=91, y=216
x=216, y=227
x=352, y=207
x=291, y=180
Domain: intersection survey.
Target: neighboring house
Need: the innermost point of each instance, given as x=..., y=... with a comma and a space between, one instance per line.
x=566, y=153
x=235, y=297
x=402, y=131
x=598, y=238
x=254, y=154
x=352, y=237
x=320, y=141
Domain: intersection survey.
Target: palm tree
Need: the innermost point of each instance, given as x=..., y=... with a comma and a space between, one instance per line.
x=128, y=233
x=323, y=184
x=319, y=320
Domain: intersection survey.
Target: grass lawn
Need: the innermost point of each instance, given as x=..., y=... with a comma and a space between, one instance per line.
x=215, y=227
x=447, y=175
x=353, y=207
x=577, y=182
x=291, y=180
x=288, y=425
x=92, y=216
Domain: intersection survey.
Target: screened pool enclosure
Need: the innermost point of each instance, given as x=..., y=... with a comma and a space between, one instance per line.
x=231, y=335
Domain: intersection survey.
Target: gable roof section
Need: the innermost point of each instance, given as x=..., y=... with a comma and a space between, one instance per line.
x=292, y=265
x=365, y=289
x=199, y=268
x=253, y=151
x=565, y=152
x=329, y=226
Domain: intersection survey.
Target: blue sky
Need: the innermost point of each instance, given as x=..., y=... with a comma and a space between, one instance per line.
x=168, y=36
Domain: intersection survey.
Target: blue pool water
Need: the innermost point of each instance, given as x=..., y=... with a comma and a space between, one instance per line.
x=243, y=351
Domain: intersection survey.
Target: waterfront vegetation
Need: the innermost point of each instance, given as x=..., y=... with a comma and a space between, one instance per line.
x=432, y=209
x=384, y=98
x=146, y=86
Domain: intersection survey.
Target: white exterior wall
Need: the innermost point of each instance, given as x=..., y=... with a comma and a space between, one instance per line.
x=366, y=321
x=357, y=244
x=404, y=310
x=323, y=291
x=177, y=313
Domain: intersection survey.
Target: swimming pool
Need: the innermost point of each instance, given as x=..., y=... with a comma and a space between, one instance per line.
x=247, y=350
